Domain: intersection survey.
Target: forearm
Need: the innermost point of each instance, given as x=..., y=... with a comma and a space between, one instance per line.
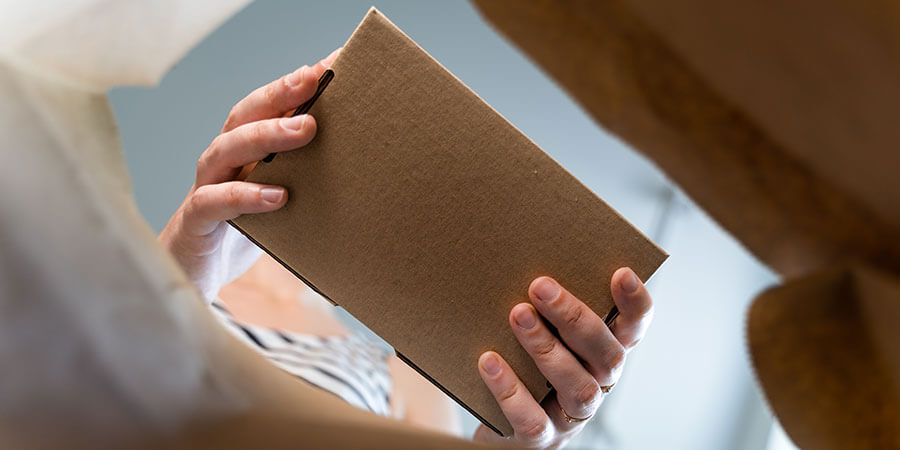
x=420, y=403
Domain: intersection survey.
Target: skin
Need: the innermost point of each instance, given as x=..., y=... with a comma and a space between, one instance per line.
x=586, y=356
x=267, y=295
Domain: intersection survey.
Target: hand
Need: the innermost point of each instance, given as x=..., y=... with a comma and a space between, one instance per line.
x=589, y=357
x=211, y=252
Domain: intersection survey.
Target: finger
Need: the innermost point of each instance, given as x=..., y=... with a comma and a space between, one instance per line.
x=635, y=307
x=230, y=151
x=326, y=62
x=555, y=412
x=486, y=435
x=280, y=96
x=212, y=204
x=528, y=419
x=580, y=328
x=576, y=389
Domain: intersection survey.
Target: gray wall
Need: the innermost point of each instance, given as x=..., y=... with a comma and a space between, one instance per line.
x=689, y=384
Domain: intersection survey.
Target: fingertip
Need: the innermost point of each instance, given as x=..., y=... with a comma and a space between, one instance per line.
x=521, y=307
x=301, y=84
x=523, y=317
x=325, y=63
x=631, y=296
x=297, y=77
x=302, y=124
x=489, y=364
x=294, y=123
x=300, y=130
x=331, y=57
x=310, y=128
x=311, y=78
x=309, y=124
x=626, y=280
x=273, y=195
x=544, y=289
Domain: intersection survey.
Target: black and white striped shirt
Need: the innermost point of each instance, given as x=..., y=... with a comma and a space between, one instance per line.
x=351, y=367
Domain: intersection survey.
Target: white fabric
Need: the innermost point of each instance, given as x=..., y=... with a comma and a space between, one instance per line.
x=98, y=44
x=99, y=330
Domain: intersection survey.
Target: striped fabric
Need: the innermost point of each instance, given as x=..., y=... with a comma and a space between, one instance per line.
x=351, y=367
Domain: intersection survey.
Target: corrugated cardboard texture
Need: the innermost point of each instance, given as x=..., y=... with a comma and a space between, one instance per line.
x=426, y=215
x=825, y=347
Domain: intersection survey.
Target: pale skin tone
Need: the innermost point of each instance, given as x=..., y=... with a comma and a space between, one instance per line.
x=585, y=357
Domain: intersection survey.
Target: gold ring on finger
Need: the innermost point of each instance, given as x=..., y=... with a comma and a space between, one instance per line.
x=570, y=419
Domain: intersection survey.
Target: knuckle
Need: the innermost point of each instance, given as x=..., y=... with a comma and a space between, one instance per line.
x=201, y=167
x=310, y=127
x=206, y=159
x=534, y=430
x=545, y=348
x=587, y=394
x=233, y=197
x=231, y=118
x=256, y=133
x=274, y=128
x=198, y=245
x=615, y=358
x=646, y=313
x=270, y=92
x=203, y=160
x=508, y=393
x=638, y=311
x=574, y=315
x=196, y=201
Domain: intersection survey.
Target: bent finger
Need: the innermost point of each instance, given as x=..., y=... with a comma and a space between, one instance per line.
x=558, y=417
x=249, y=143
x=580, y=328
x=210, y=205
x=635, y=307
x=576, y=389
x=280, y=96
x=527, y=418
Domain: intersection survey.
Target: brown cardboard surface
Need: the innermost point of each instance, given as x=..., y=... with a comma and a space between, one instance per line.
x=819, y=76
x=137, y=358
x=426, y=215
x=280, y=431
x=777, y=119
x=774, y=126
x=825, y=349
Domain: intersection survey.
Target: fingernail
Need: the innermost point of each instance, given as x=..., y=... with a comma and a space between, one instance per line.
x=294, y=123
x=630, y=282
x=546, y=290
x=491, y=365
x=294, y=78
x=330, y=58
x=525, y=318
x=271, y=195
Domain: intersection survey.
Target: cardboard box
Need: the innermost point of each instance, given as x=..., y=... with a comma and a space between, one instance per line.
x=776, y=127
x=777, y=118
x=426, y=215
x=816, y=335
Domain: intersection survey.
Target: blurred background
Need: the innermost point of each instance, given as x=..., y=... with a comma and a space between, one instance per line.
x=689, y=385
